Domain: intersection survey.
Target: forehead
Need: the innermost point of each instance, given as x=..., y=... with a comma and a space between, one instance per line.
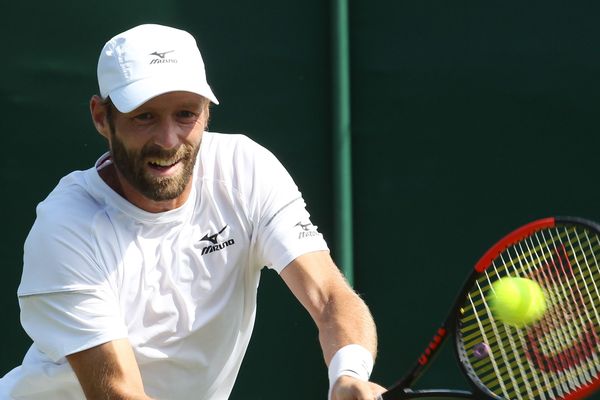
x=173, y=100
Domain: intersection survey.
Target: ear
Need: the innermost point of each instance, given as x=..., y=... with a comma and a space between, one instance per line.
x=98, y=109
x=205, y=114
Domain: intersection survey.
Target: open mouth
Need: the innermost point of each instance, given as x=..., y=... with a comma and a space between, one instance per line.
x=163, y=165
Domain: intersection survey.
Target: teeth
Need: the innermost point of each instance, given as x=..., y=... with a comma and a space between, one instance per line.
x=162, y=163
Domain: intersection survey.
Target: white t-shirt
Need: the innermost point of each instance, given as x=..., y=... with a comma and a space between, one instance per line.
x=180, y=285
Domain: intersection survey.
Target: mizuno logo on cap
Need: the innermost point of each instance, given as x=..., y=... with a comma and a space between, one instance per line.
x=161, y=57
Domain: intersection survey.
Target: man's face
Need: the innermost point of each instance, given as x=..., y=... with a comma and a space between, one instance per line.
x=154, y=147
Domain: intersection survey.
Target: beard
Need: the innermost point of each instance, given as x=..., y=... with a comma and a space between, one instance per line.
x=133, y=166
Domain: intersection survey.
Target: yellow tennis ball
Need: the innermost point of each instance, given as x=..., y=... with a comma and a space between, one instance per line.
x=517, y=301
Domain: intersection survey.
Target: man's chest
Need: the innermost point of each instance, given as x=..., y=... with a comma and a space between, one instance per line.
x=178, y=269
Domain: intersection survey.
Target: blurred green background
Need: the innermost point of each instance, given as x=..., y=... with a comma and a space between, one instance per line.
x=468, y=119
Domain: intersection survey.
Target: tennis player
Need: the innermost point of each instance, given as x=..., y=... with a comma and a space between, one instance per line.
x=140, y=274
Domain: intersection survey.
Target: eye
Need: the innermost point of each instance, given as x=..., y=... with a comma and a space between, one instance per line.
x=186, y=115
x=143, y=117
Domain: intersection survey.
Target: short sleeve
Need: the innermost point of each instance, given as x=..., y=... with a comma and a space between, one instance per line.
x=67, y=298
x=285, y=230
x=288, y=235
x=64, y=323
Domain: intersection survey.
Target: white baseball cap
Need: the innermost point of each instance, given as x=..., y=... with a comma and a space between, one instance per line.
x=147, y=61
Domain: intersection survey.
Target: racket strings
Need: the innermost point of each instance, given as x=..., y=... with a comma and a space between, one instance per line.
x=562, y=326
x=507, y=366
x=590, y=286
x=525, y=369
x=556, y=327
x=588, y=349
x=513, y=367
x=554, y=341
x=495, y=365
x=584, y=307
x=557, y=355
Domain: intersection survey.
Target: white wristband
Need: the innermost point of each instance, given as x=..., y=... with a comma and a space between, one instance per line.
x=351, y=360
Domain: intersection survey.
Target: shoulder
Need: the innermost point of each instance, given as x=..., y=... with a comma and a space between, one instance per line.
x=224, y=144
x=245, y=170
x=70, y=203
x=62, y=244
x=231, y=157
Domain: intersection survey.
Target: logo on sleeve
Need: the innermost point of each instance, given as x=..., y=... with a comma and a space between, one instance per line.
x=214, y=243
x=307, y=229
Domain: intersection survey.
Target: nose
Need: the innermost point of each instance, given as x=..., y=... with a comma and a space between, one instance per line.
x=167, y=134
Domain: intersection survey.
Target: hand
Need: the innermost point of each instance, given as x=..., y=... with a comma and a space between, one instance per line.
x=350, y=388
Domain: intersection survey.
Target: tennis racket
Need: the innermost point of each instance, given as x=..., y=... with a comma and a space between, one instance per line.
x=557, y=357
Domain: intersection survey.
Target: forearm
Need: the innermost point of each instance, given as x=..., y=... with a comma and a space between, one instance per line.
x=339, y=313
x=345, y=319
x=346, y=328
x=116, y=393
x=348, y=337
x=109, y=372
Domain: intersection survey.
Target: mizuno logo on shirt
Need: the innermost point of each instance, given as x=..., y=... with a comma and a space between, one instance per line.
x=215, y=244
x=213, y=238
x=307, y=230
x=217, y=247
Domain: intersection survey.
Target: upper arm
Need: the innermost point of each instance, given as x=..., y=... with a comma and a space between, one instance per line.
x=108, y=371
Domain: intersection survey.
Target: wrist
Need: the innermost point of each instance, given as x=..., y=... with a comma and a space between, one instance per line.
x=351, y=360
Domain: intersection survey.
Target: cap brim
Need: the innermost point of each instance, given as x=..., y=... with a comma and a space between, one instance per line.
x=130, y=97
